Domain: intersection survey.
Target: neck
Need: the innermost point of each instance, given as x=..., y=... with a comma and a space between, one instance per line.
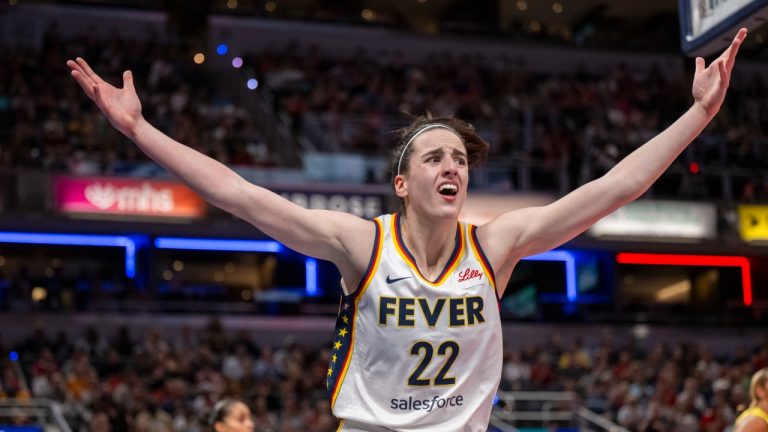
x=430, y=241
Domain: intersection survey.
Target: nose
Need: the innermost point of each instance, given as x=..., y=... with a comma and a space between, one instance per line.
x=450, y=167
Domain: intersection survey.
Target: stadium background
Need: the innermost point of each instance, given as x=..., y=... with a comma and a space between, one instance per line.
x=126, y=303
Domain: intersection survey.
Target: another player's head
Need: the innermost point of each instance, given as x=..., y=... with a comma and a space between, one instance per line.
x=758, y=388
x=431, y=159
x=230, y=415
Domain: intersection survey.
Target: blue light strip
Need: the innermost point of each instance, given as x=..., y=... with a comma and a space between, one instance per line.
x=130, y=258
x=570, y=269
x=127, y=243
x=209, y=244
x=311, y=276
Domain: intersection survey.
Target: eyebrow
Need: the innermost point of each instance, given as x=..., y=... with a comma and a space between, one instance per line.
x=439, y=150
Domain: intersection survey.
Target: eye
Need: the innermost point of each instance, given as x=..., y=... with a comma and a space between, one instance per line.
x=461, y=161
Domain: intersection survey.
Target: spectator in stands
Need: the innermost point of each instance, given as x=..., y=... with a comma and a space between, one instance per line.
x=229, y=415
x=99, y=422
x=631, y=414
x=755, y=418
x=517, y=373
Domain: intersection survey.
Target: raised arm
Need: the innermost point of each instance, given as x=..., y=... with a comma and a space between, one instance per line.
x=339, y=237
x=529, y=231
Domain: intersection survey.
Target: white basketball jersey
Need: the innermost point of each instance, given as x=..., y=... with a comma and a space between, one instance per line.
x=414, y=354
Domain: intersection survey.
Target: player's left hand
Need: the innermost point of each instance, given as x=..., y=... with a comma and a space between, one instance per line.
x=710, y=83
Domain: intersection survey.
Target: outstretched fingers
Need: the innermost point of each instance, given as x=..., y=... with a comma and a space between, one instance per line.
x=86, y=69
x=729, y=55
x=74, y=66
x=85, y=83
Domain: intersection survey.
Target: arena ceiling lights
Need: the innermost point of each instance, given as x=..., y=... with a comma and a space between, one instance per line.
x=695, y=260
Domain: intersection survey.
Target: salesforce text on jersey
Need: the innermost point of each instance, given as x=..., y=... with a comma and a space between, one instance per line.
x=411, y=404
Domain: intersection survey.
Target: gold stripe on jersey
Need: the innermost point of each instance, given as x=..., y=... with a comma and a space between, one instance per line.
x=402, y=250
x=364, y=283
x=480, y=256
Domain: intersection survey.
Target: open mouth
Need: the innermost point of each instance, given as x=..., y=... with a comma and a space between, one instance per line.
x=448, y=189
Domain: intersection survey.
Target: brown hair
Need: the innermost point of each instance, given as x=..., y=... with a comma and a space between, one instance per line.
x=477, y=147
x=220, y=411
x=759, y=379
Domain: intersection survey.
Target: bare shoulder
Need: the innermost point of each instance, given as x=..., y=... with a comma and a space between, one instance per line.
x=501, y=238
x=358, y=237
x=752, y=424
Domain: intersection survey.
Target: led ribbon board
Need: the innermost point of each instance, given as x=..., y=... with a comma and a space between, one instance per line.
x=570, y=269
x=78, y=240
x=210, y=244
x=695, y=260
x=230, y=245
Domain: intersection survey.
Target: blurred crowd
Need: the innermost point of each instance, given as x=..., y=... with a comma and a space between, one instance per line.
x=155, y=383
x=578, y=124
x=582, y=122
x=46, y=121
x=666, y=388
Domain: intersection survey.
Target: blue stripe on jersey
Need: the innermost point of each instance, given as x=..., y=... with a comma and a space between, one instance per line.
x=342, y=344
x=343, y=337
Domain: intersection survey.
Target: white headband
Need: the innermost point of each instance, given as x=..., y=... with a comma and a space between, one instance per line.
x=417, y=133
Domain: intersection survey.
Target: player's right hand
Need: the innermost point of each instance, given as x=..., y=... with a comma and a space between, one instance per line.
x=121, y=106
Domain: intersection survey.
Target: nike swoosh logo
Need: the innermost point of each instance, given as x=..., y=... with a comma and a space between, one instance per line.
x=390, y=280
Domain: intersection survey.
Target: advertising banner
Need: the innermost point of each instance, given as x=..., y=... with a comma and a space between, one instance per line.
x=659, y=219
x=364, y=203
x=753, y=222
x=125, y=196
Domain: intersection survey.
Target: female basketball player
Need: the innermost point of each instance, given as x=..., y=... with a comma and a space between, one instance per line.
x=755, y=418
x=230, y=415
x=418, y=341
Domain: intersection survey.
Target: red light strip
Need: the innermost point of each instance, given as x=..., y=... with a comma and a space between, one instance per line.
x=695, y=260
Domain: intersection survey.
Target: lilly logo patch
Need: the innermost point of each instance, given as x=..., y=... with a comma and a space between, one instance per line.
x=470, y=273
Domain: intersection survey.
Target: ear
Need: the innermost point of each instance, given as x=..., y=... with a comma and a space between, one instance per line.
x=401, y=186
